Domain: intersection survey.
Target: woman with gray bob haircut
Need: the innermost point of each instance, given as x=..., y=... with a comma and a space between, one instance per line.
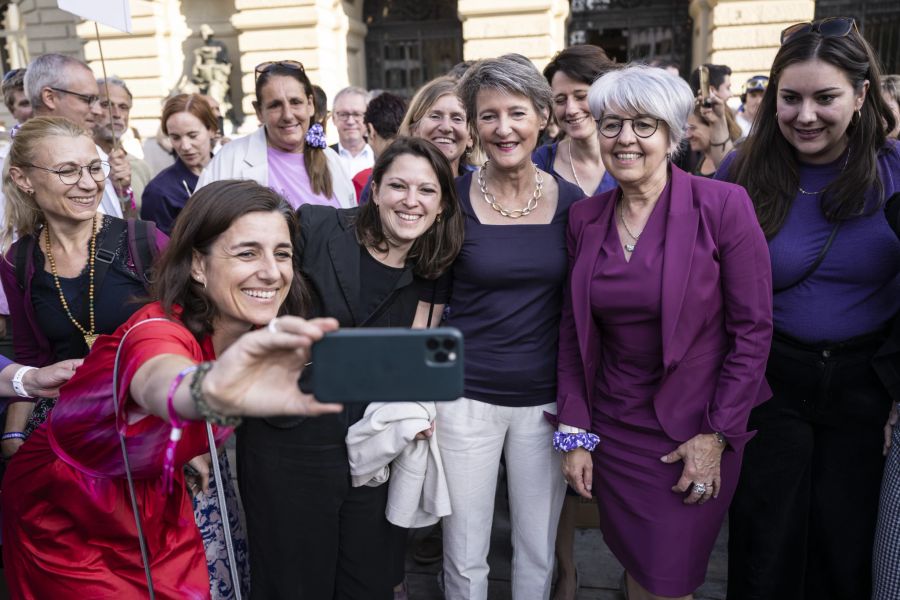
x=506, y=298
x=645, y=90
x=664, y=338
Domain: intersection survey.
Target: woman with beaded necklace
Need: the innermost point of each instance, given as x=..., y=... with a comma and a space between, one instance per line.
x=67, y=294
x=506, y=298
x=819, y=169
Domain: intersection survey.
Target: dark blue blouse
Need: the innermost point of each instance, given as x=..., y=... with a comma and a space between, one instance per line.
x=545, y=156
x=506, y=298
x=166, y=195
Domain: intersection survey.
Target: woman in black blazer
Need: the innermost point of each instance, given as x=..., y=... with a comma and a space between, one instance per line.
x=312, y=535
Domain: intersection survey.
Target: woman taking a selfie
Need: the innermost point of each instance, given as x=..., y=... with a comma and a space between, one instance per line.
x=192, y=355
x=311, y=534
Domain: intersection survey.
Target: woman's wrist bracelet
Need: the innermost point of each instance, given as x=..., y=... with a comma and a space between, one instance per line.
x=18, y=387
x=200, y=402
x=175, y=433
x=566, y=442
x=13, y=435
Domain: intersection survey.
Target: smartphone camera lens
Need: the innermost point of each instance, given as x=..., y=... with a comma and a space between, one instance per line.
x=449, y=344
x=433, y=344
x=440, y=357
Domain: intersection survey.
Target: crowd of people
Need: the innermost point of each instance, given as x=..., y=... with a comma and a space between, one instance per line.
x=742, y=361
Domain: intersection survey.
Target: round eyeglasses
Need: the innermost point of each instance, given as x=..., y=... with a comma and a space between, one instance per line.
x=70, y=173
x=643, y=127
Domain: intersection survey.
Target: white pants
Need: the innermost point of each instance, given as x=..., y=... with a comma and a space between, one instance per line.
x=471, y=437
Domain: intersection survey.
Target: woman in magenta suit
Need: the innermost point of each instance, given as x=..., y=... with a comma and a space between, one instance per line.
x=664, y=337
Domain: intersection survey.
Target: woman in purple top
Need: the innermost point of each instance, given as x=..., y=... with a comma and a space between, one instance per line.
x=577, y=158
x=663, y=342
x=190, y=123
x=819, y=169
x=506, y=298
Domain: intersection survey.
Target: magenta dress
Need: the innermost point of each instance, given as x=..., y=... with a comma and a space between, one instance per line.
x=664, y=544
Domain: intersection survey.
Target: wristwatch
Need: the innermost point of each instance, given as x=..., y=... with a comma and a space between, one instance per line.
x=720, y=438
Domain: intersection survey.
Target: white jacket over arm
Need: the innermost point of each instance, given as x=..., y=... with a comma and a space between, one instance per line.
x=417, y=487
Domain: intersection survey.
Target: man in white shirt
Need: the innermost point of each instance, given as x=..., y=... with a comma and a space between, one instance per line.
x=348, y=111
x=62, y=86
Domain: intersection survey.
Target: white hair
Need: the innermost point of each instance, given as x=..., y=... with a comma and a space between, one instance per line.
x=643, y=90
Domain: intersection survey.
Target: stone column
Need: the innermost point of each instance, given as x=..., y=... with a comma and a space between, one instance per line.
x=325, y=35
x=534, y=28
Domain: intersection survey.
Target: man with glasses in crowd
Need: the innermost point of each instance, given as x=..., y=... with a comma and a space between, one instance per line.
x=111, y=126
x=348, y=111
x=62, y=86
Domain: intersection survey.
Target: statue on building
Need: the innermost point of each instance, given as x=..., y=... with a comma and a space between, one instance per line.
x=211, y=70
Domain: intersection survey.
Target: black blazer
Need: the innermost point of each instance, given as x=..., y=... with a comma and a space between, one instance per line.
x=330, y=265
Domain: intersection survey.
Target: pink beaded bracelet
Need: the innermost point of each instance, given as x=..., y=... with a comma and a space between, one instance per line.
x=175, y=434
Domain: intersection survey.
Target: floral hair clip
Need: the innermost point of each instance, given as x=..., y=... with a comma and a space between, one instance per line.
x=315, y=136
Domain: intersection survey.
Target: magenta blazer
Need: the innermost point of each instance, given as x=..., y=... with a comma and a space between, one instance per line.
x=716, y=311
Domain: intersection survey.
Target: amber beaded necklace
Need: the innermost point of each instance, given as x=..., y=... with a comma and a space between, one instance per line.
x=89, y=335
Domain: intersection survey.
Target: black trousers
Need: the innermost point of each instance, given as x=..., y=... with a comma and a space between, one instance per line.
x=802, y=521
x=312, y=536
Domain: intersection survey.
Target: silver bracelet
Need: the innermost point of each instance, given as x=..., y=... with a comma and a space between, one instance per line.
x=17, y=382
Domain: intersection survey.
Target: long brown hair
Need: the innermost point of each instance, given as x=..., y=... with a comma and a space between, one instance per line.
x=314, y=159
x=766, y=164
x=436, y=249
x=206, y=216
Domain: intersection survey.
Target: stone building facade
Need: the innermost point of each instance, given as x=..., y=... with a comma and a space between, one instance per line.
x=396, y=44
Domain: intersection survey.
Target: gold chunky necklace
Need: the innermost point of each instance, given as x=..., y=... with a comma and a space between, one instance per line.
x=89, y=335
x=518, y=212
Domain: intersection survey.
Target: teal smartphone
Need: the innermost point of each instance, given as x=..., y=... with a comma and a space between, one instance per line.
x=373, y=364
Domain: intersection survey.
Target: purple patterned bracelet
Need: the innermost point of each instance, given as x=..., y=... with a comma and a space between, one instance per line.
x=566, y=442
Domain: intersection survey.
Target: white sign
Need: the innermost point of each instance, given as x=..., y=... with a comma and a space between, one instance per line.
x=114, y=13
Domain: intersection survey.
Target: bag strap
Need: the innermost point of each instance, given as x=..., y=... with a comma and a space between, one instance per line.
x=223, y=509
x=381, y=308
x=145, y=556
x=816, y=263
x=431, y=304
x=142, y=247
x=24, y=257
x=217, y=474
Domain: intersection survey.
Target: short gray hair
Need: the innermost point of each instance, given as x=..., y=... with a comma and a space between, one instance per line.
x=358, y=91
x=511, y=74
x=645, y=90
x=113, y=80
x=48, y=70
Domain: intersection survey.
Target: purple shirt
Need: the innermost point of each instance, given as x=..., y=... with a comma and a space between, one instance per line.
x=856, y=288
x=288, y=177
x=506, y=299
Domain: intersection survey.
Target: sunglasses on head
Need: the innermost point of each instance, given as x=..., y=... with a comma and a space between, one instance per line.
x=267, y=66
x=830, y=27
x=756, y=84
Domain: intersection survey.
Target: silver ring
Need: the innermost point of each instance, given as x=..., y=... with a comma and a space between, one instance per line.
x=273, y=326
x=699, y=488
